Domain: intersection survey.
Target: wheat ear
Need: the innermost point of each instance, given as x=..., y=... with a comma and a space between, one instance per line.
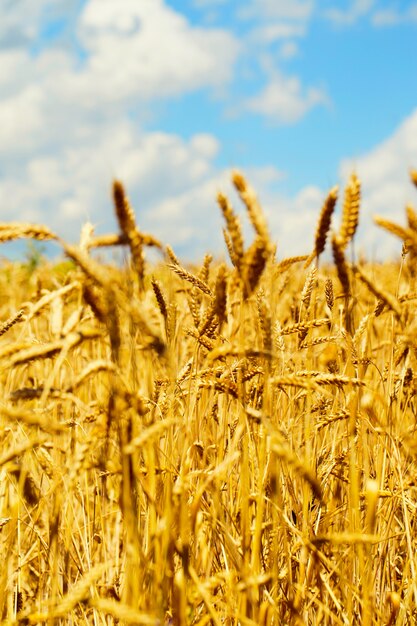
x=189, y=277
x=323, y=225
x=407, y=235
x=250, y=200
x=5, y=326
x=303, y=326
x=171, y=255
x=350, y=215
x=308, y=287
x=328, y=292
x=15, y=230
x=127, y=222
x=411, y=218
x=254, y=264
x=283, y=265
x=160, y=298
x=233, y=235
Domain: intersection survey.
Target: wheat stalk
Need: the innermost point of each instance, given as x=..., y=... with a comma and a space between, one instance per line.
x=220, y=299
x=259, y=471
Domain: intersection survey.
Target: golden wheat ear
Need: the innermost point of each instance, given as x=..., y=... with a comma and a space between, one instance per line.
x=255, y=260
x=171, y=255
x=323, y=225
x=411, y=218
x=189, y=277
x=328, y=292
x=250, y=200
x=160, y=298
x=5, y=326
x=127, y=222
x=124, y=212
x=233, y=234
x=283, y=265
x=407, y=235
x=351, y=206
x=16, y=230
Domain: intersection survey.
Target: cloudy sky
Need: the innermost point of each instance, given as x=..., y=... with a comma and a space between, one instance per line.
x=171, y=95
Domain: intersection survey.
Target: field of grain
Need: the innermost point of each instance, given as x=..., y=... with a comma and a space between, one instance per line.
x=233, y=443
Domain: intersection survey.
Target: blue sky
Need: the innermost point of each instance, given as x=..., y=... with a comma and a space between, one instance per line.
x=171, y=95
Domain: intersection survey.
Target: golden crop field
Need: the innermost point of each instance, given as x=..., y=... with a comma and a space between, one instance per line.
x=232, y=444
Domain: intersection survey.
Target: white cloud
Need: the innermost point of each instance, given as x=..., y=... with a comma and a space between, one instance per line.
x=386, y=189
x=284, y=101
x=147, y=50
x=66, y=130
x=293, y=220
x=288, y=50
x=68, y=135
x=21, y=19
x=192, y=220
x=386, y=17
x=356, y=10
x=158, y=169
x=137, y=52
x=13, y=66
x=391, y=159
x=276, y=20
x=22, y=120
x=392, y=17
x=384, y=172
x=268, y=33
x=171, y=182
x=278, y=9
x=203, y=4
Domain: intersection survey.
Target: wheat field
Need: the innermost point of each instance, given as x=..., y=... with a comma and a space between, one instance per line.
x=231, y=443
